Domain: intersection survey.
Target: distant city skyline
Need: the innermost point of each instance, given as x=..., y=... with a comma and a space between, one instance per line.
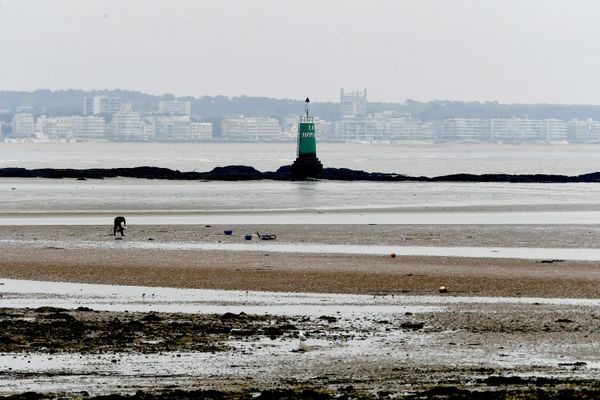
x=109, y=118
x=529, y=51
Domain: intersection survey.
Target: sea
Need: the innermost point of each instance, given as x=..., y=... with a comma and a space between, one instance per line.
x=67, y=201
x=409, y=159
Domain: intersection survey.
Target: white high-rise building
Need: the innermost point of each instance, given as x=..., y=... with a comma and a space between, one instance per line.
x=171, y=128
x=583, y=131
x=462, y=130
x=176, y=128
x=175, y=107
x=250, y=128
x=89, y=127
x=356, y=129
x=22, y=125
x=395, y=126
x=202, y=130
x=55, y=127
x=555, y=130
x=101, y=105
x=126, y=125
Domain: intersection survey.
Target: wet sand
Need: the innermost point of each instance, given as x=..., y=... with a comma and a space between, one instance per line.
x=305, y=272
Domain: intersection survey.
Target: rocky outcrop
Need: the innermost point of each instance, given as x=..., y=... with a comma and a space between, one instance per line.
x=284, y=173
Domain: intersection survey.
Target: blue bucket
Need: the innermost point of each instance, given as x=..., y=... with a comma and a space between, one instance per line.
x=248, y=237
x=228, y=231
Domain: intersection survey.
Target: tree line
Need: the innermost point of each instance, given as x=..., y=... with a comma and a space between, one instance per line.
x=69, y=102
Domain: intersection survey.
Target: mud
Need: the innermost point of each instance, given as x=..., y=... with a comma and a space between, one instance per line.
x=51, y=330
x=485, y=351
x=534, y=389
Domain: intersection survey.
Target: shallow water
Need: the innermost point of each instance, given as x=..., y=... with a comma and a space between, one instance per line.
x=405, y=158
x=24, y=293
x=17, y=195
x=526, y=253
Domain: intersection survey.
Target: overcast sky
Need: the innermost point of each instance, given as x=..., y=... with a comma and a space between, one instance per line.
x=527, y=51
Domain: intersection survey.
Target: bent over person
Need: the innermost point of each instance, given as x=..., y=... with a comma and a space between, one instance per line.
x=120, y=225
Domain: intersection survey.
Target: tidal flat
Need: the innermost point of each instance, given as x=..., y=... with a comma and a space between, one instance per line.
x=247, y=344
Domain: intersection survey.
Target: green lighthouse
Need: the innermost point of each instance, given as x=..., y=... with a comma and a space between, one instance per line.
x=306, y=164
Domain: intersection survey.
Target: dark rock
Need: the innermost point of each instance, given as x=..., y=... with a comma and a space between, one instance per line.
x=230, y=316
x=328, y=318
x=564, y=320
x=495, y=380
x=415, y=326
x=574, y=364
x=151, y=318
x=60, y=316
x=284, y=173
x=50, y=309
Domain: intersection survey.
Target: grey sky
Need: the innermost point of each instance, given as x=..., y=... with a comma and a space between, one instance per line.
x=510, y=51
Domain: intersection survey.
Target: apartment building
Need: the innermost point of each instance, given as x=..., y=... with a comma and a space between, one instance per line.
x=202, y=130
x=356, y=129
x=250, y=128
x=55, y=127
x=176, y=128
x=502, y=130
x=126, y=125
x=103, y=105
x=22, y=125
x=390, y=126
x=583, y=131
x=462, y=130
x=89, y=127
x=518, y=130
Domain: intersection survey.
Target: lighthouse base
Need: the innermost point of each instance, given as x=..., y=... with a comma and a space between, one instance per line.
x=307, y=165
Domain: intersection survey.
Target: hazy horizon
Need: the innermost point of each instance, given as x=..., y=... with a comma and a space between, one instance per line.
x=513, y=52
x=300, y=98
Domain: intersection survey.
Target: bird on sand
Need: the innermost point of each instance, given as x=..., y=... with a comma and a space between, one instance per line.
x=302, y=338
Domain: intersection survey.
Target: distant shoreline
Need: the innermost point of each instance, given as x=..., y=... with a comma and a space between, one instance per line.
x=248, y=173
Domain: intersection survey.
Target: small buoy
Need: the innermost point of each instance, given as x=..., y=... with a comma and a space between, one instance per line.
x=393, y=255
x=443, y=289
x=228, y=231
x=248, y=237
